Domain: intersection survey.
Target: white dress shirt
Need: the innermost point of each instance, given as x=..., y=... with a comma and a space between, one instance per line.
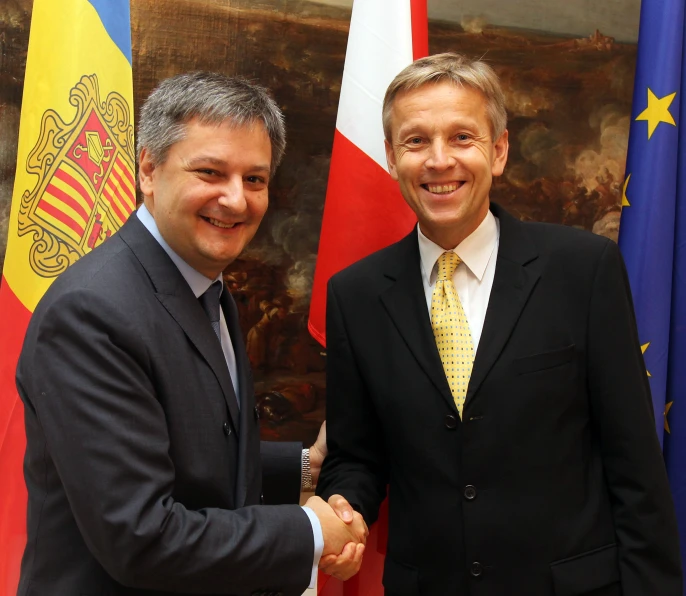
x=199, y=284
x=473, y=278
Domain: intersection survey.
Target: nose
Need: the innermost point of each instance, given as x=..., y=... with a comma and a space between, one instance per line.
x=440, y=156
x=232, y=194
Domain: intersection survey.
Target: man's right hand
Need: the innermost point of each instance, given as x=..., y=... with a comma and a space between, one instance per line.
x=336, y=532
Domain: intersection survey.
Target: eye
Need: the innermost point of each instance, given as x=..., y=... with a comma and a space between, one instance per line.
x=256, y=180
x=462, y=137
x=207, y=172
x=416, y=141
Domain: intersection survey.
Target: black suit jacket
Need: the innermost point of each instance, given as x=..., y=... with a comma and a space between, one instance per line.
x=143, y=474
x=553, y=481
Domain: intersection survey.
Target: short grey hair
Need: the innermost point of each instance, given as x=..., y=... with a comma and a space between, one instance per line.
x=456, y=69
x=212, y=98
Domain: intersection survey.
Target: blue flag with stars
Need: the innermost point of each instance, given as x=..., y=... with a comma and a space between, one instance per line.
x=652, y=233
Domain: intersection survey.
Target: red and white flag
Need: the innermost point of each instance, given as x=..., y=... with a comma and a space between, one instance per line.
x=364, y=210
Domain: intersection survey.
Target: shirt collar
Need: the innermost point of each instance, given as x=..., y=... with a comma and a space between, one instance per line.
x=196, y=280
x=475, y=250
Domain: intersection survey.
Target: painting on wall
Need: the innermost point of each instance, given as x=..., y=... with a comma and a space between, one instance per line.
x=568, y=96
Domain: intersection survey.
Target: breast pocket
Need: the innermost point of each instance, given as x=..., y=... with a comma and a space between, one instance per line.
x=544, y=360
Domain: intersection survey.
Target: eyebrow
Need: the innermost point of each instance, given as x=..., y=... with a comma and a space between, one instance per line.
x=197, y=161
x=419, y=126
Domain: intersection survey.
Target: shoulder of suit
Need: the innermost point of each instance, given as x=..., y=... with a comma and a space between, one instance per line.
x=108, y=269
x=561, y=243
x=551, y=234
x=378, y=261
x=560, y=234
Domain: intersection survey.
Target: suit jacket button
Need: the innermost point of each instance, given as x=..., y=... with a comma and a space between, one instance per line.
x=450, y=421
x=469, y=492
x=476, y=569
x=227, y=429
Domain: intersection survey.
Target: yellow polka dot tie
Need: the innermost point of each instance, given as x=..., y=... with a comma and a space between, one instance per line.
x=451, y=330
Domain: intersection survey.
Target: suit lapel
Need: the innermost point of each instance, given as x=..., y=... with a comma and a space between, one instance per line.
x=245, y=388
x=242, y=365
x=175, y=295
x=190, y=316
x=516, y=274
x=405, y=302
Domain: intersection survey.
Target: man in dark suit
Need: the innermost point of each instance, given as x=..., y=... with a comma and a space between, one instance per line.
x=143, y=462
x=489, y=372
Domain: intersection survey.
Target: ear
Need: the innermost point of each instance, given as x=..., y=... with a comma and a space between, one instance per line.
x=146, y=170
x=390, y=158
x=500, y=150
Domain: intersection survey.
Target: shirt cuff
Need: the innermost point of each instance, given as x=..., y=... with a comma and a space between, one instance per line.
x=318, y=543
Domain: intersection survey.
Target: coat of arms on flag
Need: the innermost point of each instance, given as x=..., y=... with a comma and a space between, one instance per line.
x=85, y=185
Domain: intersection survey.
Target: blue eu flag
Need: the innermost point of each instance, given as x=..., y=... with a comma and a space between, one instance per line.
x=653, y=227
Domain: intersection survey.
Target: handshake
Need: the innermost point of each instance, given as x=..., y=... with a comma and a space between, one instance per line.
x=345, y=535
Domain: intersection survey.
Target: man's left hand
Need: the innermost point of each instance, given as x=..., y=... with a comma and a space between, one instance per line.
x=345, y=565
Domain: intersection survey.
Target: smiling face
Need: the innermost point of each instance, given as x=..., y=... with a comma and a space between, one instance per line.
x=443, y=155
x=209, y=195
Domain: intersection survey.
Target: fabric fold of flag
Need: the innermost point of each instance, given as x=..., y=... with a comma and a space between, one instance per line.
x=653, y=227
x=74, y=187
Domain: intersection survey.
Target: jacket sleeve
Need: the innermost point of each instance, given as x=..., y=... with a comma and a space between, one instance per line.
x=356, y=465
x=86, y=379
x=281, y=472
x=622, y=414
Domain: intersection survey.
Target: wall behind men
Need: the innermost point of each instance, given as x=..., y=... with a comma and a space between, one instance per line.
x=569, y=103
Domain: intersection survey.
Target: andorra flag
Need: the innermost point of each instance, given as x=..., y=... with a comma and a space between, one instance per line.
x=364, y=210
x=74, y=187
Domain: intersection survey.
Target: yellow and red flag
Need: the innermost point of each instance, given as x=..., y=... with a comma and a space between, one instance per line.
x=364, y=210
x=74, y=187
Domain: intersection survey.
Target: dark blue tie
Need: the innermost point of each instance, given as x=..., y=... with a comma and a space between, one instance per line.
x=210, y=303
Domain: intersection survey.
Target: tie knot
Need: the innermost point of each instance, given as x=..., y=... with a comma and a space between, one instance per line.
x=447, y=263
x=210, y=301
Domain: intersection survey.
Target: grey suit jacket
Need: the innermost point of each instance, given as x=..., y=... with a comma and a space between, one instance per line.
x=143, y=474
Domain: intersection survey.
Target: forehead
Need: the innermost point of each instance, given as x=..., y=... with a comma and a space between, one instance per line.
x=244, y=146
x=225, y=129
x=435, y=103
x=249, y=140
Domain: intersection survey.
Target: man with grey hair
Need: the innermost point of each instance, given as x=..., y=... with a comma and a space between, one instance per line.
x=144, y=466
x=488, y=370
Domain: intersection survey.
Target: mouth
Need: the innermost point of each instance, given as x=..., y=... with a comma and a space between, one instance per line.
x=220, y=224
x=443, y=188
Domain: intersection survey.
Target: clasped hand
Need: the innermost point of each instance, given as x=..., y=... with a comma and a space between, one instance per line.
x=345, y=535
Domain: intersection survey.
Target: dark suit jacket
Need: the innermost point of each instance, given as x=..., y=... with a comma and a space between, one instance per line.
x=553, y=481
x=142, y=472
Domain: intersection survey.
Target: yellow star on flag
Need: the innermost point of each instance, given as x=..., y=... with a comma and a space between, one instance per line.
x=644, y=347
x=657, y=111
x=625, y=200
x=667, y=408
